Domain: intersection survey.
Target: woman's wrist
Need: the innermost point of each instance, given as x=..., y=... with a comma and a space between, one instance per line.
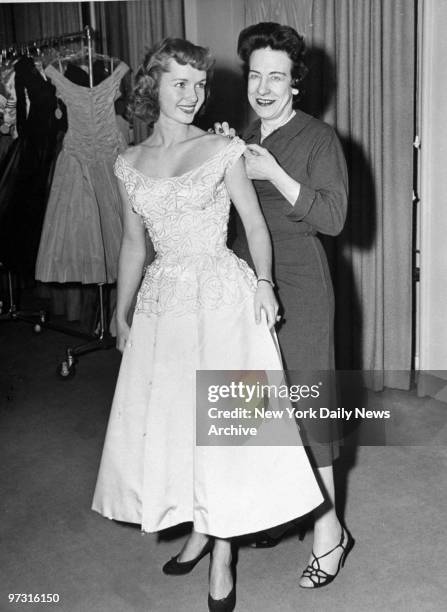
x=277, y=174
x=121, y=318
x=264, y=279
x=285, y=184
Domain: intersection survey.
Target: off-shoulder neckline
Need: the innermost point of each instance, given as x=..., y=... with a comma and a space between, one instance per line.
x=179, y=176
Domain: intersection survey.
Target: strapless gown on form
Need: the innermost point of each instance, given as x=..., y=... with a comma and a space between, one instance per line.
x=82, y=228
x=194, y=311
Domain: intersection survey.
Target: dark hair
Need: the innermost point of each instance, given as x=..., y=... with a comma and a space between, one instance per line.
x=144, y=102
x=269, y=34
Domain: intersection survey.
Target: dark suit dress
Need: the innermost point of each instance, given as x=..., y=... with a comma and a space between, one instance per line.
x=310, y=152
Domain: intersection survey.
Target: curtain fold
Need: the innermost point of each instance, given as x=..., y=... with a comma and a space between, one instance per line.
x=27, y=21
x=282, y=11
x=371, y=45
x=111, y=22
x=149, y=21
x=7, y=29
x=361, y=81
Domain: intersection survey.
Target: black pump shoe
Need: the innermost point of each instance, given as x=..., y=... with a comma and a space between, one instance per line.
x=272, y=537
x=264, y=540
x=179, y=568
x=227, y=604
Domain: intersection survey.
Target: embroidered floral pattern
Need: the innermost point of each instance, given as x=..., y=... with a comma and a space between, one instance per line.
x=186, y=218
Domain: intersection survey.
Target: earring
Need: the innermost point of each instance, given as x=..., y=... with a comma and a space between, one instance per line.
x=295, y=91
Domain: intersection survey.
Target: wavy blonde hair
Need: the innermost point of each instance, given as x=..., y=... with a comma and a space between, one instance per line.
x=144, y=102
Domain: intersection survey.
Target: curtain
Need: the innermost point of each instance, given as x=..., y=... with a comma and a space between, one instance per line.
x=111, y=23
x=113, y=36
x=289, y=12
x=7, y=30
x=149, y=21
x=361, y=81
x=23, y=22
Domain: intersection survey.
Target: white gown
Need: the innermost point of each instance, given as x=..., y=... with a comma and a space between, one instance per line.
x=194, y=312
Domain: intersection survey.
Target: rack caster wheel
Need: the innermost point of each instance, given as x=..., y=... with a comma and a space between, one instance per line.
x=42, y=321
x=65, y=370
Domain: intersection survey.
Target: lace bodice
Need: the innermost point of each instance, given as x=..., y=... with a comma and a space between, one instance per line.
x=186, y=217
x=93, y=133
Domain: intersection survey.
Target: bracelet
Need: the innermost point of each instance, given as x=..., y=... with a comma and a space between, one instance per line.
x=267, y=280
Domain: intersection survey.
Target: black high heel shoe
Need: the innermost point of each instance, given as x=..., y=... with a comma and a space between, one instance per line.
x=180, y=568
x=227, y=603
x=318, y=577
x=266, y=539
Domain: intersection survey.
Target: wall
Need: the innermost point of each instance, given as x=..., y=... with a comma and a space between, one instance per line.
x=432, y=317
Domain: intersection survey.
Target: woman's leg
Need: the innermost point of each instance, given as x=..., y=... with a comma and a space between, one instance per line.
x=197, y=546
x=193, y=546
x=327, y=528
x=221, y=576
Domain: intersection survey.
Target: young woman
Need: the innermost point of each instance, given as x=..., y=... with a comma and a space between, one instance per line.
x=299, y=174
x=199, y=307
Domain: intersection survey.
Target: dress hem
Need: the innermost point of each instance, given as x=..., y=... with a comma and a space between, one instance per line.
x=201, y=528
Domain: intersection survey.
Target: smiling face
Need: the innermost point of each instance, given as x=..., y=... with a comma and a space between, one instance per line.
x=181, y=92
x=270, y=90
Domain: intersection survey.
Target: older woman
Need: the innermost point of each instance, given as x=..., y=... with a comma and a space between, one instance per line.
x=299, y=173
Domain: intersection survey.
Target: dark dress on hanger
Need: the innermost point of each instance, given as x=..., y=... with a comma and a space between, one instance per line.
x=25, y=182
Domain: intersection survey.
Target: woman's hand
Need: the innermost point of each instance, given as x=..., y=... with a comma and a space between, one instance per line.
x=259, y=163
x=265, y=300
x=122, y=335
x=223, y=129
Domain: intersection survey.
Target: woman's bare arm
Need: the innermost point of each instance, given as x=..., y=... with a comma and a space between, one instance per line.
x=245, y=200
x=130, y=266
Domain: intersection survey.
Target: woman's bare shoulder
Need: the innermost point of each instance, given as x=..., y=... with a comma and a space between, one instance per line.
x=136, y=153
x=131, y=153
x=214, y=142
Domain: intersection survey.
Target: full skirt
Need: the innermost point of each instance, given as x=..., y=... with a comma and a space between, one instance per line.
x=153, y=473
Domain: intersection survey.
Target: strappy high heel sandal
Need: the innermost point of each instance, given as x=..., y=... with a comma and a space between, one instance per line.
x=318, y=577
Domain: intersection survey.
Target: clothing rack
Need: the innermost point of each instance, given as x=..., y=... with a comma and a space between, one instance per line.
x=25, y=48
x=100, y=339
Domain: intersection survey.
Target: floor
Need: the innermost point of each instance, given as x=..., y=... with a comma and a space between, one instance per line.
x=51, y=542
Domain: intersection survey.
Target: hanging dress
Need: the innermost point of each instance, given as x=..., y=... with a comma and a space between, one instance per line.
x=194, y=312
x=8, y=130
x=83, y=223
x=27, y=169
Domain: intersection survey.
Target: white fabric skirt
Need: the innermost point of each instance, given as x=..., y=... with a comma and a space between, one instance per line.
x=152, y=472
